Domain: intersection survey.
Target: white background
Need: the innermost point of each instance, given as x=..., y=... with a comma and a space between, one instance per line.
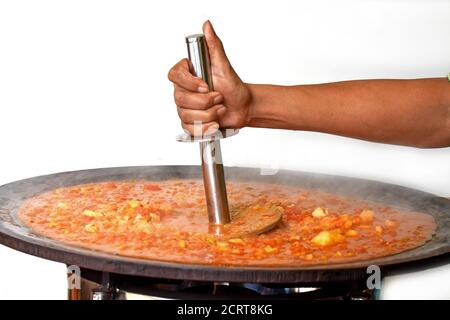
x=83, y=85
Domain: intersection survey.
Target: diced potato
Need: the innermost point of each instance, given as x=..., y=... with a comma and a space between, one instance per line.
x=90, y=228
x=52, y=224
x=325, y=238
x=90, y=213
x=154, y=217
x=236, y=241
x=366, y=216
x=182, y=244
x=143, y=226
x=210, y=239
x=134, y=203
x=221, y=245
x=62, y=205
x=269, y=249
x=319, y=213
x=309, y=257
x=379, y=229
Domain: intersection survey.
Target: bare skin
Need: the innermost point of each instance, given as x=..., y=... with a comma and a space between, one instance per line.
x=407, y=112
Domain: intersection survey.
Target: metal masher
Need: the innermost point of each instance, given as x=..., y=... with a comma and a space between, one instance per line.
x=251, y=220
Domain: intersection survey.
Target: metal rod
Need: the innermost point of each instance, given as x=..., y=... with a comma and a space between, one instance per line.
x=212, y=167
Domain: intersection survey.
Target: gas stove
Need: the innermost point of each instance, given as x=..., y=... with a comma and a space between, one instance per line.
x=96, y=285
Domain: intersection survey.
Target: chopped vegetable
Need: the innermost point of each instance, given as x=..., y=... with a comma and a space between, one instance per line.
x=90, y=213
x=62, y=205
x=326, y=238
x=379, y=229
x=236, y=240
x=367, y=216
x=168, y=221
x=134, y=203
x=270, y=249
x=90, y=227
x=320, y=213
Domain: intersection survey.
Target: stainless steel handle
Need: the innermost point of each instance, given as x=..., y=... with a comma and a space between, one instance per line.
x=199, y=58
x=212, y=167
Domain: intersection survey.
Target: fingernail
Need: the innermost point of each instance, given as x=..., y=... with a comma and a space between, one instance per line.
x=209, y=35
x=221, y=111
x=217, y=99
x=212, y=28
x=203, y=89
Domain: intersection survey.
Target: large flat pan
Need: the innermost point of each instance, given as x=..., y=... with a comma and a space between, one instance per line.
x=15, y=235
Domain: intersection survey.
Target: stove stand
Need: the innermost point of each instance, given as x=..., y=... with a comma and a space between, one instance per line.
x=95, y=285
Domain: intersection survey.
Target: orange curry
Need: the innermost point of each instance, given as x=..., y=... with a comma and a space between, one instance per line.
x=167, y=221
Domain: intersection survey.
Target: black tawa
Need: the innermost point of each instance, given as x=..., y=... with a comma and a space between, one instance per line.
x=16, y=235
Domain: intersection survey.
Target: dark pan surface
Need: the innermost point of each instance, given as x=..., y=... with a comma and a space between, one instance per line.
x=15, y=235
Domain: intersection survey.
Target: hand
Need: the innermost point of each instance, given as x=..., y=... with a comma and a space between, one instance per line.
x=225, y=107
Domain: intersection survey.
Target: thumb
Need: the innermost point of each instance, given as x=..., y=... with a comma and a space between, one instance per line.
x=216, y=51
